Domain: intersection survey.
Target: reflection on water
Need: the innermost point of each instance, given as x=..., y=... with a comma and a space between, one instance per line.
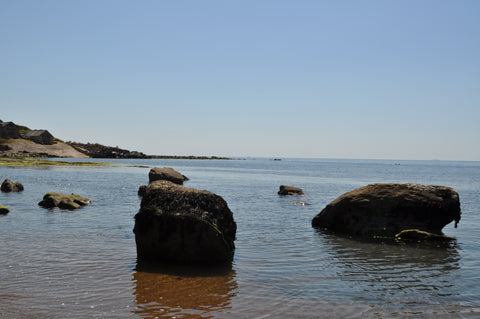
x=182, y=291
x=392, y=272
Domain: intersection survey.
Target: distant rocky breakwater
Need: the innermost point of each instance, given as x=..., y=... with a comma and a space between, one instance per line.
x=96, y=150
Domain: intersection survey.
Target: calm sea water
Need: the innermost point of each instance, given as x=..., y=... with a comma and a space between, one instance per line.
x=82, y=264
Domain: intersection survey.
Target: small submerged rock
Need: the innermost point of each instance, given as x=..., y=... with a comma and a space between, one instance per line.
x=290, y=190
x=420, y=235
x=63, y=201
x=9, y=186
x=300, y=203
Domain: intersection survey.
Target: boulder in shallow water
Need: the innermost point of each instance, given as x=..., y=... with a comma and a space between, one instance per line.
x=290, y=190
x=9, y=186
x=387, y=209
x=64, y=201
x=182, y=225
x=167, y=174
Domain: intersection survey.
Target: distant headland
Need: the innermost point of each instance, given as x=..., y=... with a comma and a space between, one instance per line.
x=21, y=141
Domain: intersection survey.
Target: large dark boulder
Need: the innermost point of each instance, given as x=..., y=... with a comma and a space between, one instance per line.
x=167, y=174
x=9, y=186
x=64, y=201
x=387, y=209
x=182, y=225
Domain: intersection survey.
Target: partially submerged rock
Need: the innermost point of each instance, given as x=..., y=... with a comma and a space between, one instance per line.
x=9, y=186
x=300, y=203
x=166, y=173
x=183, y=225
x=290, y=190
x=4, y=210
x=64, y=201
x=387, y=209
x=409, y=235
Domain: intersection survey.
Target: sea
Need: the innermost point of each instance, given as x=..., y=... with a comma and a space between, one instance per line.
x=82, y=264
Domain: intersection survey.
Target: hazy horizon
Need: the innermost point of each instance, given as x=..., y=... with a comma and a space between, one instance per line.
x=311, y=79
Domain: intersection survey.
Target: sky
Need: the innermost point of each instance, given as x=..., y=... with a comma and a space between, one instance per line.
x=262, y=78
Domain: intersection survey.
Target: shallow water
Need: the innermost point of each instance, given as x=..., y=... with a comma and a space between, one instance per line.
x=79, y=264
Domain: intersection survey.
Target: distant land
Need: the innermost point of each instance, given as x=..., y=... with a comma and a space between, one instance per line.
x=21, y=141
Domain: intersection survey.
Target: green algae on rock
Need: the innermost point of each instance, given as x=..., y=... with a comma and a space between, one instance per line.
x=4, y=210
x=27, y=161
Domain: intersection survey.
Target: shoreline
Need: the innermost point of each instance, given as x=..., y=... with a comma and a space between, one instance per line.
x=21, y=148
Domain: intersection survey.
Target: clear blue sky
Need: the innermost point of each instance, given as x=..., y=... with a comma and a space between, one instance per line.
x=329, y=79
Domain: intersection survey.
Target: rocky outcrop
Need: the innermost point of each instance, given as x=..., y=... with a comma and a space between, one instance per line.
x=9, y=186
x=96, y=150
x=387, y=209
x=64, y=201
x=290, y=190
x=167, y=174
x=4, y=210
x=176, y=224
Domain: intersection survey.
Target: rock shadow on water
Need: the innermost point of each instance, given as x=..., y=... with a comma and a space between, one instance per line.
x=164, y=290
x=383, y=272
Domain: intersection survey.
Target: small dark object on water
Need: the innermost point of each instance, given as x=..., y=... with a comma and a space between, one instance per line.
x=290, y=190
x=4, y=210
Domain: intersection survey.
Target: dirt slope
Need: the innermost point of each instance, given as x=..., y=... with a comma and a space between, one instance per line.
x=23, y=147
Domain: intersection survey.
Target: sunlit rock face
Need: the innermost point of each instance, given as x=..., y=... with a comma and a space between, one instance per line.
x=177, y=224
x=63, y=201
x=387, y=209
